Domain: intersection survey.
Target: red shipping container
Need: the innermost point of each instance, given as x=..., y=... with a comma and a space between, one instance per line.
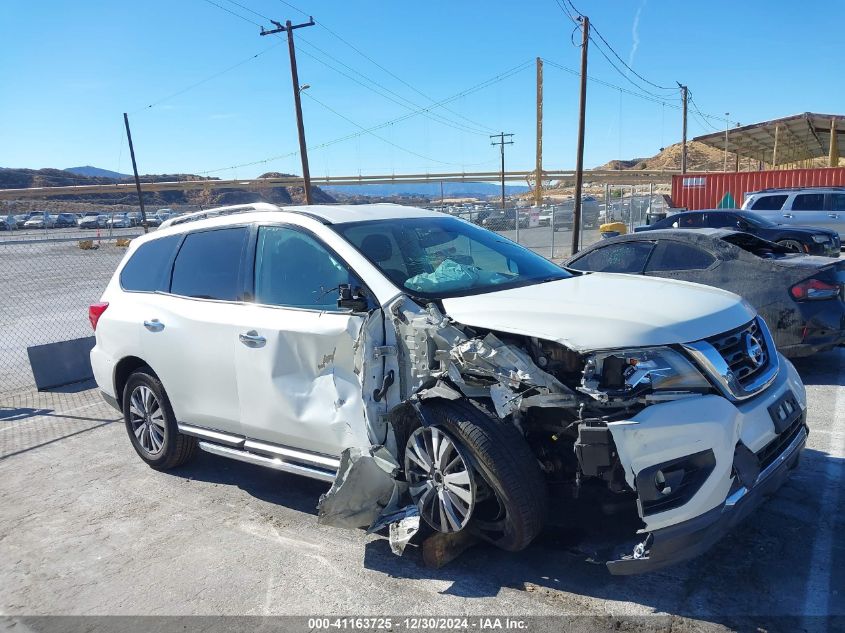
x=727, y=189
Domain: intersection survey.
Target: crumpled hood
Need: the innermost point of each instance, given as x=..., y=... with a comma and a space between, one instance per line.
x=605, y=310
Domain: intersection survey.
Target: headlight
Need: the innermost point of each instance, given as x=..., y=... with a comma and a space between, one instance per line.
x=630, y=372
x=820, y=239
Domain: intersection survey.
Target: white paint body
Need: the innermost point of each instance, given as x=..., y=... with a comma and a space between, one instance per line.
x=302, y=389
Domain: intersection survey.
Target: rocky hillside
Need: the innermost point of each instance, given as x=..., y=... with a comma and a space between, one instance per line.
x=700, y=157
x=211, y=196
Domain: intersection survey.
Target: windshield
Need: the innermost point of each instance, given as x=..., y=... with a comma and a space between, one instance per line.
x=756, y=246
x=446, y=257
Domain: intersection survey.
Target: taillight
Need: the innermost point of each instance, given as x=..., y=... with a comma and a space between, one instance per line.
x=814, y=289
x=95, y=311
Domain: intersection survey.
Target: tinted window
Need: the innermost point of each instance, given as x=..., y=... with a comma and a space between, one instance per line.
x=769, y=203
x=808, y=202
x=689, y=221
x=722, y=220
x=626, y=257
x=146, y=269
x=293, y=269
x=837, y=202
x=677, y=256
x=208, y=264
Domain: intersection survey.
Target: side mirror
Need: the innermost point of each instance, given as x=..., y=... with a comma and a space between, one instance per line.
x=352, y=298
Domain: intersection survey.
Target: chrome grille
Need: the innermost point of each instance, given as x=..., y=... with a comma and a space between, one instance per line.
x=741, y=362
x=734, y=349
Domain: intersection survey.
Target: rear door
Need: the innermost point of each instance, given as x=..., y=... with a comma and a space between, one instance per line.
x=836, y=213
x=188, y=334
x=299, y=385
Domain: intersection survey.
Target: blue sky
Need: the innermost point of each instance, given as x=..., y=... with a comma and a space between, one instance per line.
x=70, y=69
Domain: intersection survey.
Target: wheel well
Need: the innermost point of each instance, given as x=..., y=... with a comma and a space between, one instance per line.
x=122, y=371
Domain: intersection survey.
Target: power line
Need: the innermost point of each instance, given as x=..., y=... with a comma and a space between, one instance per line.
x=479, y=86
x=414, y=106
x=374, y=135
x=705, y=117
x=207, y=79
x=237, y=15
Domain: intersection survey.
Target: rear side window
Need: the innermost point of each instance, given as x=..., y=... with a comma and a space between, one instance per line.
x=208, y=265
x=627, y=257
x=146, y=270
x=808, y=202
x=677, y=256
x=769, y=203
x=689, y=221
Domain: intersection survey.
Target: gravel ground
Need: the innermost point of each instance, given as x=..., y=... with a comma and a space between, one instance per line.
x=87, y=529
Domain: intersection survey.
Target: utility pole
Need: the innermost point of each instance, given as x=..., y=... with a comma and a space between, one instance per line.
x=135, y=170
x=684, y=131
x=294, y=75
x=582, y=113
x=727, y=124
x=501, y=143
x=538, y=176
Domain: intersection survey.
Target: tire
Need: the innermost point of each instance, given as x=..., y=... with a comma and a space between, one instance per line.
x=151, y=424
x=511, y=501
x=792, y=245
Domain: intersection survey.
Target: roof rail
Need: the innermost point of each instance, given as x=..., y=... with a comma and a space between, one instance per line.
x=218, y=211
x=774, y=189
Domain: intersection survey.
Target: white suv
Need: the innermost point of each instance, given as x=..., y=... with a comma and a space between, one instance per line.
x=819, y=207
x=430, y=368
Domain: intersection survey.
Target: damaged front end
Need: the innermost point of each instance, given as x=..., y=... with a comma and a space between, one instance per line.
x=646, y=427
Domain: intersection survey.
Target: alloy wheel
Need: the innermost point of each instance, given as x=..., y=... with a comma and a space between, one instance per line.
x=440, y=480
x=146, y=417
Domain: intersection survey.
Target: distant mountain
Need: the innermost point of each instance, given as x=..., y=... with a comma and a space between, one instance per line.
x=96, y=172
x=212, y=196
x=431, y=190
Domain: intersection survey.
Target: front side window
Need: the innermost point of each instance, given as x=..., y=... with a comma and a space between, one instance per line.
x=676, y=256
x=436, y=257
x=808, y=202
x=294, y=270
x=146, y=270
x=208, y=264
x=626, y=257
x=723, y=220
x=769, y=203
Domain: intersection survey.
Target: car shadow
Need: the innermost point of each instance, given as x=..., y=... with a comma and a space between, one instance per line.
x=816, y=369
x=284, y=489
x=774, y=570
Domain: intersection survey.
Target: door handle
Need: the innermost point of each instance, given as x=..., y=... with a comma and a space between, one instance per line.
x=833, y=215
x=788, y=215
x=252, y=339
x=154, y=326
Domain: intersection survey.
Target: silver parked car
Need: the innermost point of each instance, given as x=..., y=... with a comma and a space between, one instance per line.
x=821, y=207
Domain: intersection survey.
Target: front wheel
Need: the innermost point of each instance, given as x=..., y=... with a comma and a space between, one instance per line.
x=466, y=469
x=151, y=425
x=792, y=245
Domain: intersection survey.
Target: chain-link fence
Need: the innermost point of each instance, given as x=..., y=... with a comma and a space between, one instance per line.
x=547, y=230
x=50, y=274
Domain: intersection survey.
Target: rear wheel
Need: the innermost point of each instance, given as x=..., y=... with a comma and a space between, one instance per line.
x=466, y=469
x=151, y=425
x=792, y=245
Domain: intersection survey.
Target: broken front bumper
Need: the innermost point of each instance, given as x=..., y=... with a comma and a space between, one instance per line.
x=682, y=541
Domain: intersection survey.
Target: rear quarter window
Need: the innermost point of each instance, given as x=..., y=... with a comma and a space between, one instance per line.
x=147, y=268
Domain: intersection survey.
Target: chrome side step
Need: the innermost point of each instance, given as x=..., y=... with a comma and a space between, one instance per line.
x=276, y=463
x=217, y=437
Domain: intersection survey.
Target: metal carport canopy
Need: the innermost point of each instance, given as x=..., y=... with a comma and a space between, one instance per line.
x=788, y=140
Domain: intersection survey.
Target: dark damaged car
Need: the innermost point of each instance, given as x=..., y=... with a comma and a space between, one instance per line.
x=801, y=297
x=434, y=371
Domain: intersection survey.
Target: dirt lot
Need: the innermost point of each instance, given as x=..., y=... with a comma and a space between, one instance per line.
x=86, y=528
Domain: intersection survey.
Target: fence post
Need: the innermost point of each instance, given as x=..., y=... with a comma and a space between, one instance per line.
x=552, y=229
